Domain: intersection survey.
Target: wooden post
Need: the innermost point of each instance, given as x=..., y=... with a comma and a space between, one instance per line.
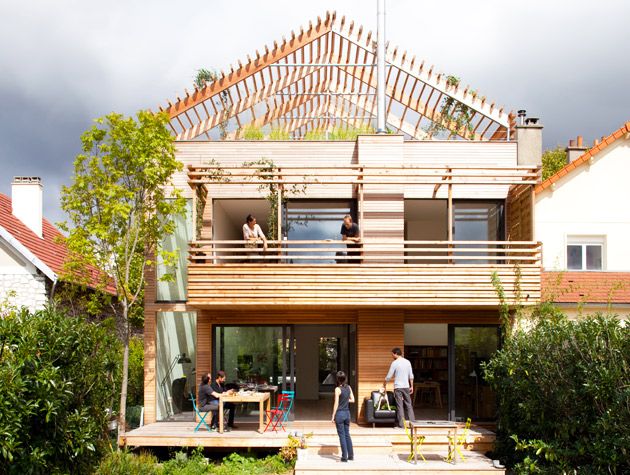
x=360, y=189
x=450, y=216
x=194, y=214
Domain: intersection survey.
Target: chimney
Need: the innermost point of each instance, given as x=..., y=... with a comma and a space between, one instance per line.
x=575, y=149
x=26, y=198
x=529, y=141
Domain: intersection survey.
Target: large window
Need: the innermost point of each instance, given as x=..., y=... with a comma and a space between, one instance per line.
x=175, y=364
x=585, y=253
x=174, y=289
x=309, y=220
x=477, y=221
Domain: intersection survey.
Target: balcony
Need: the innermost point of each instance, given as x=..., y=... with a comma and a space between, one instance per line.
x=380, y=273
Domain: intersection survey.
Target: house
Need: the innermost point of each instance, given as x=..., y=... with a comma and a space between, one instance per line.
x=444, y=201
x=582, y=218
x=32, y=252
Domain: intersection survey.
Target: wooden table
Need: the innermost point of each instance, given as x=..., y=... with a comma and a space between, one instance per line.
x=260, y=398
x=416, y=426
x=432, y=385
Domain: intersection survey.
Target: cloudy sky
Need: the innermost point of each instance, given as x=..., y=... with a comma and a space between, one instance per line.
x=66, y=62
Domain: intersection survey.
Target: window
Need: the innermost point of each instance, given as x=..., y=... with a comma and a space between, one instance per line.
x=174, y=290
x=585, y=253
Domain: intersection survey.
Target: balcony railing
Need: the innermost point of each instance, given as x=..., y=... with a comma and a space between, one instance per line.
x=373, y=252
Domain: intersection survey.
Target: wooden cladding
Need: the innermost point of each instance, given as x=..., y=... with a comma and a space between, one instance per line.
x=377, y=285
x=520, y=213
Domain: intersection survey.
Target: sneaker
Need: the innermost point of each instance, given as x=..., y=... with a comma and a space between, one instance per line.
x=343, y=460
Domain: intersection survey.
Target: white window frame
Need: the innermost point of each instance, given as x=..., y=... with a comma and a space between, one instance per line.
x=584, y=241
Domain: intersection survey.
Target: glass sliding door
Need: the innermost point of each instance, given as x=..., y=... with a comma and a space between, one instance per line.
x=469, y=394
x=255, y=354
x=475, y=220
x=311, y=220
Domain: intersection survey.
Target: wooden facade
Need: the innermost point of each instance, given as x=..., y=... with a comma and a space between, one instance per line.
x=314, y=81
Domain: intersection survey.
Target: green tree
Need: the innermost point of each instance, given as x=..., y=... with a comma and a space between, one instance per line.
x=58, y=376
x=119, y=209
x=552, y=161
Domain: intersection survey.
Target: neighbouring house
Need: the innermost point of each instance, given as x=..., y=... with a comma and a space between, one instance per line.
x=583, y=221
x=443, y=201
x=32, y=252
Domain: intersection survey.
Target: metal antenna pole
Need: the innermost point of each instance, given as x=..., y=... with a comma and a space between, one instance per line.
x=380, y=68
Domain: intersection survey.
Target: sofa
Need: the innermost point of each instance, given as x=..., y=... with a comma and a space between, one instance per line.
x=381, y=415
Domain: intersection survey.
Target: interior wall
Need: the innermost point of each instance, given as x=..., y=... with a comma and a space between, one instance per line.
x=307, y=357
x=229, y=217
x=426, y=334
x=426, y=220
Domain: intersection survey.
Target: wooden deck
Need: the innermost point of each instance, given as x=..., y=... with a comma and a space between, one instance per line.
x=323, y=442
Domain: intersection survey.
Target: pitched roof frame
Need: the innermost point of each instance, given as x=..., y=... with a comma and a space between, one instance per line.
x=333, y=50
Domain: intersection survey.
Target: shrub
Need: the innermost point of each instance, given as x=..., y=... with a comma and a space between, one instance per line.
x=185, y=464
x=236, y=464
x=278, y=133
x=122, y=462
x=251, y=132
x=563, y=391
x=58, y=375
x=135, y=389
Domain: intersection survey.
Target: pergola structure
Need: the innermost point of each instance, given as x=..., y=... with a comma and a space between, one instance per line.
x=324, y=77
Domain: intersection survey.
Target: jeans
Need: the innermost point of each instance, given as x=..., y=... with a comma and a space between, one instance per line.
x=214, y=407
x=403, y=403
x=342, y=421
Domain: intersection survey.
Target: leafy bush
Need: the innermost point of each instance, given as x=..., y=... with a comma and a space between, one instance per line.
x=58, y=375
x=278, y=133
x=185, y=464
x=122, y=462
x=236, y=464
x=563, y=390
x=251, y=132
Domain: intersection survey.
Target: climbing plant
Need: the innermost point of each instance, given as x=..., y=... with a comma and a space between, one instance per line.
x=208, y=75
x=455, y=117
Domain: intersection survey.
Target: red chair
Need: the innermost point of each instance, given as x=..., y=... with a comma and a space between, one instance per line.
x=276, y=415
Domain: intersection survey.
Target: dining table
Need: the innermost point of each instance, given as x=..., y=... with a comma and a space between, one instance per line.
x=246, y=396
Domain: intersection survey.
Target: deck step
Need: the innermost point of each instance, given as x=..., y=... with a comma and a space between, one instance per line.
x=360, y=447
x=376, y=464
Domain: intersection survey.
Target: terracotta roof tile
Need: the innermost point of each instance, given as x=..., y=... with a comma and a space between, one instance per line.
x=582, y=159
x=49, y=249
x=586, y=287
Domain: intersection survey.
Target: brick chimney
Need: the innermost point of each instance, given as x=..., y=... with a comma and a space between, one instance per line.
x=27, y=200
x=529, y=141
x=575, y=149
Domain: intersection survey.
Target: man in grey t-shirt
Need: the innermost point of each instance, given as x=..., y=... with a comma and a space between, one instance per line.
x=402, y=373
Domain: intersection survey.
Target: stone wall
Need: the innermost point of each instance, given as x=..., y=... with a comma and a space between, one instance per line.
x=28, y=290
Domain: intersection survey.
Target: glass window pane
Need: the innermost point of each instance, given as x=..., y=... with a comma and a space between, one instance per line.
x=594, y=257
x=477, y=221
x=175, y=290
x=175, y=364
x=574, y=257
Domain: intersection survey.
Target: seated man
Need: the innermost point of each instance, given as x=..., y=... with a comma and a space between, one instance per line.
x=351, y=234
x=216, y=389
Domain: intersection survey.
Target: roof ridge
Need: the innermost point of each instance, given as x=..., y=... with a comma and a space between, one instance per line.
x=584, y=158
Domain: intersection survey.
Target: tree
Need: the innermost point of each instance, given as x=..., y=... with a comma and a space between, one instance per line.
x=552, y=161
x=119, y=209
x=58, y=376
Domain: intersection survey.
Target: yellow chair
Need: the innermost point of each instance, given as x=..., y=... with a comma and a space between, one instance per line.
x=416, y=443
x=455, y=444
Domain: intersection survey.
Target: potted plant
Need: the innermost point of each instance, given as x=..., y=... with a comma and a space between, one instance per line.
x=297, y=447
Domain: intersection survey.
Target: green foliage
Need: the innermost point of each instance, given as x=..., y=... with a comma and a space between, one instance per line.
x=266, y=170
x=119, y=210
x=209, y=75
x=339, y=133
x=552, y=161
x=122, y=462
x=454, y=117
x=135, y=390
x=251, y=132
x=185, y=464
x=315, y=134
x=58, y=375
x=236, y=464
x=278, y=133
x=563, y=390
x=288, y=453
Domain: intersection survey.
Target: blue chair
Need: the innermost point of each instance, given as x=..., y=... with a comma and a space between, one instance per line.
x=201, y=417
x=291, y=397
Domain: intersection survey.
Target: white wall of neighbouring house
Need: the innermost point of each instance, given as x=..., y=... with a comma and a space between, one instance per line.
x=21, y=285
x=592, y=201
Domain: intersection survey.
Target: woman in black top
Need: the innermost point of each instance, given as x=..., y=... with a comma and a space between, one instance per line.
x=341, y=416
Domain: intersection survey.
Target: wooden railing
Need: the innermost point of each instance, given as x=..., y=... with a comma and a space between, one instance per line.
x=373, y=252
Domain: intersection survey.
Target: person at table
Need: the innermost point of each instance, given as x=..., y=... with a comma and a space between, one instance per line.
x=341, y=416
x=252, y=233
x=351, y=235
x=217, y=387
x=401, y=372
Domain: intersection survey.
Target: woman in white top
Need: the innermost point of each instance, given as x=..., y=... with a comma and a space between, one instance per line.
x=252, y=232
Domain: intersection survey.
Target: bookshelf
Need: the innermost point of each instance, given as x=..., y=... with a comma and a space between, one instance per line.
x=429, y=363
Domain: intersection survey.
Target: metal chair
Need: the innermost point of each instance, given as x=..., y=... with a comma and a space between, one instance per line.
x=416, y=442
x=291, y=395
x=276, y=415
x=201, y=417
x=455, y=445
